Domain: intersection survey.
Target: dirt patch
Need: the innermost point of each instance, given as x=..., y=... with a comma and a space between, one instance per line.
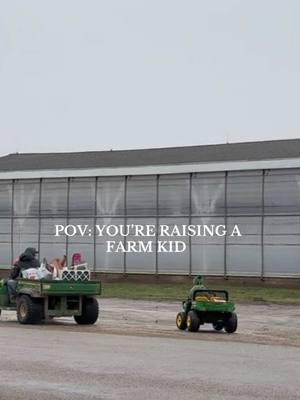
x=261, y=323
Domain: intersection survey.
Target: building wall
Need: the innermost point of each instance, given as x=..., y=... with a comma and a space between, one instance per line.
x=264, y=203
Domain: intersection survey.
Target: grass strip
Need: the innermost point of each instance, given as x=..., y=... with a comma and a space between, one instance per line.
x=179, y=291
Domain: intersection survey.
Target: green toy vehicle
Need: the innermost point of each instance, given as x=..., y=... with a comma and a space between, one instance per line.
x=207, y=306
x=37, y=300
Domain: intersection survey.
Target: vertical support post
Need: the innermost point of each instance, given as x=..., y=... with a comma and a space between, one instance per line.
x=39, y=217
x=125, y=221
x=262, y=225
x=157, y=224
x=68, y=216
x=190, y=222
x=95, y=222
x=225, y=223
x=12, y=219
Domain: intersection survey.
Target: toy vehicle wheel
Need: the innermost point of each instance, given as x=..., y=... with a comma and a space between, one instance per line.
x=192, y=321
x=181, y=321
x=218, y=326
x=231, y=324
x=90, y=312
x=29, y=311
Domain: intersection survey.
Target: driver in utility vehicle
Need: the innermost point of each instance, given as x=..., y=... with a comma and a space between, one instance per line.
x=25, y=261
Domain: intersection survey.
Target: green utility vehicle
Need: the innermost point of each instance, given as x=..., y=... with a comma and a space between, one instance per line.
x=207, y=306
x=38, y=300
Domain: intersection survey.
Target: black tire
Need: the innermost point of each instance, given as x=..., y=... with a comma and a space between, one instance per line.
x=29, y=310
x=181, y=321
x=192, y=321
x=231, y=324
x=218, y=326
x=90, y=312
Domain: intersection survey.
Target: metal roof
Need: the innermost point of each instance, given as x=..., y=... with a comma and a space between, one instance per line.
x=246, y=151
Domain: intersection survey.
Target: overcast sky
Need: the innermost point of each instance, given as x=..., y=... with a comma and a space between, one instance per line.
x=116, y=74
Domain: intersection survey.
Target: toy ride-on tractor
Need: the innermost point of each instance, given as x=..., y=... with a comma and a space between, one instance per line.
x=207, y=306
x=36, y=300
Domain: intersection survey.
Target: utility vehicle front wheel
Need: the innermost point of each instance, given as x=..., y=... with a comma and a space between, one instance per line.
x=218, y=326
x=181, y=321
x=90, y=312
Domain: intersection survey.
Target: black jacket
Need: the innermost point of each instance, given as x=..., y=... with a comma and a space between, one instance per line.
x=26, y=260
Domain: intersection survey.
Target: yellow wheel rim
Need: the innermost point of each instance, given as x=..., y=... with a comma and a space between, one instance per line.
x=179, y=320
x=189, y=321
x=23, y=310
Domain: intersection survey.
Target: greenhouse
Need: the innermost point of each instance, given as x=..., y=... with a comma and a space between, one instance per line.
x=260, y=195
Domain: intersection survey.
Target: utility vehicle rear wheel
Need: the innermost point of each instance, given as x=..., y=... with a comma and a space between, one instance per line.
x=29, y=311
x=231, y=324
x=90, y=312
x=181, y=321
x=192, y=321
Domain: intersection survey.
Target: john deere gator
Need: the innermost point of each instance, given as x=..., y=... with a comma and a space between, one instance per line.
x=206, y=306
x=38, y=300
